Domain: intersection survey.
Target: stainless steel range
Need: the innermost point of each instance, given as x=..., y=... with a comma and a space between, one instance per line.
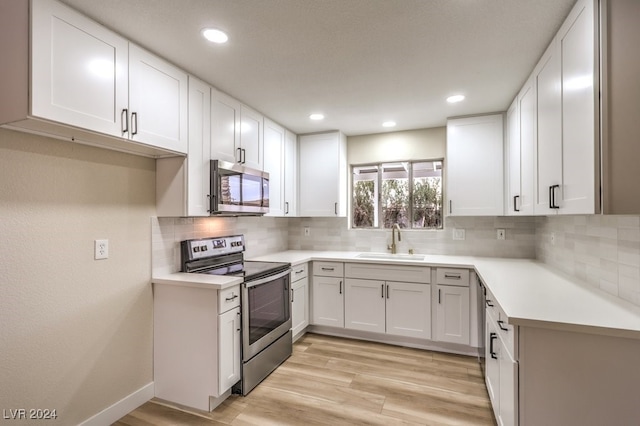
x=265, y=302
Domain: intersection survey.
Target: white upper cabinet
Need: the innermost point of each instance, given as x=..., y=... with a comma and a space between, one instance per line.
x=322, y=175
x=236, y=131
x=274, y=164
x=548, y=170
x=251, y=138
x=475, y=166
x=579, y=132
x=182, y=184
x=290, y=174
x=520, y=142
x=225, y=127
x=79, y=73
x=158, y=96
x=101, y=88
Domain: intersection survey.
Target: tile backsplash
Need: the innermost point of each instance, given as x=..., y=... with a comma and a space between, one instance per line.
x=604, y=251
x=480, y=237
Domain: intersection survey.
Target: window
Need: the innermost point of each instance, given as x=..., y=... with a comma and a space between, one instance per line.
x=407, y=193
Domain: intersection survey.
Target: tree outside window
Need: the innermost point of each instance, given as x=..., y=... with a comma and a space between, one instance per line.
x=410, y=195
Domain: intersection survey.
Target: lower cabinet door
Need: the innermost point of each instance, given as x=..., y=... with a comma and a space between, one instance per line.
x=299, y=305
x=364, y=305
x=492, y=364
x=452, y=314
x=328, y=301
x=409, y=309
x=228, y=349
x=508, y=387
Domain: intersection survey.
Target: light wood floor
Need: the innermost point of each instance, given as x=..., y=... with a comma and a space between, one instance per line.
x=336, y=381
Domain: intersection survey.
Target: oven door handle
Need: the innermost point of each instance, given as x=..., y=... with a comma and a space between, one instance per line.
x=267, y=279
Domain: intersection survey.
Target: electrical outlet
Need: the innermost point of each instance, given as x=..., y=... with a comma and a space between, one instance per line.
x=458, y=234
x=101, y=249
x=307, y=231
x=501, y=234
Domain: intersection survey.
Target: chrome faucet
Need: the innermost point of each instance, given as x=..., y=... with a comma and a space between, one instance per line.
x=393, y=247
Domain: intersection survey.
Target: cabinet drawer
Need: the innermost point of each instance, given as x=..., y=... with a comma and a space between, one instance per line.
x=451, y=276
x=328, y=269
x=374, y=271
x=228, y=298
x=299, y=272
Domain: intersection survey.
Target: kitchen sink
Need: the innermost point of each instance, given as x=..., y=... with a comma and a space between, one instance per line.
x=389, y=256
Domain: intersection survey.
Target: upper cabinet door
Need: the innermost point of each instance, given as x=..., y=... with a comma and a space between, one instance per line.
x=290, y=174
x=579, y=126
x=251, y=138
x=527, y=128
x=225, y=127
x=322, y=175
x=79, y=71
x=274, y=165
x=512, y=144
x=549, y=125
x=158, y=98
x=475, y=166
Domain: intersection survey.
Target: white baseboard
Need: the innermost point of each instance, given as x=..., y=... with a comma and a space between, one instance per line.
x=121, y=408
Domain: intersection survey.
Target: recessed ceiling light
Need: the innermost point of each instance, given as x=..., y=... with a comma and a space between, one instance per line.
x=455, y=98
x=389, y=124
x=214, y=35
x=317, y=116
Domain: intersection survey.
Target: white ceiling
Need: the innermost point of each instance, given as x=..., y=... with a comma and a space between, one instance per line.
x=360, y=62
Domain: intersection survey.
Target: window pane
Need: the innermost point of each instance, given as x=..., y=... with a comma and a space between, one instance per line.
x=427, y=195
x=365, y=209
x=395, y=195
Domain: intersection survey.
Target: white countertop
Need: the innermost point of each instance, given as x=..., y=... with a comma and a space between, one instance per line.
x=529, y=292
x=214, y=282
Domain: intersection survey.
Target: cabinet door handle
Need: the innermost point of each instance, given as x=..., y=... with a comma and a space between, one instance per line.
x=340, y=287
x=328, y=269
x=387, y=291
x=299, y=272
x=488, y=302
x=439, y=297
x=515, y=203
x=335, y=208
x=286, y=207
x=292, y=294
x=382, y=289
x=244, y=155
x=450, y=207
x=552, y=197
x=232, y=298
x=134, y=123
x=124, y=119
x=453, y=276
x=492, y=337
x=238, y=155
x=500, y=322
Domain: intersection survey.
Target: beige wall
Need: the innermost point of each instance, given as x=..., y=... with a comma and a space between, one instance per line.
x=422, y=144
x=75, y=333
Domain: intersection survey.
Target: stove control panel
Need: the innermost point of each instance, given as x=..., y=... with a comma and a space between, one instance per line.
x=210, y=247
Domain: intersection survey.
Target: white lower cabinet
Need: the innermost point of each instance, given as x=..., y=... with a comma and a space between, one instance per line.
x=196, y=348
x=452, y=306
x=328, y=294
x=229, y=349
x=402, y=309
x=501, y=374
x=299, y=300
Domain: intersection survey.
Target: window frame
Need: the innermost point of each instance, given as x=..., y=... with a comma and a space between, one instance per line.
x=378, y=221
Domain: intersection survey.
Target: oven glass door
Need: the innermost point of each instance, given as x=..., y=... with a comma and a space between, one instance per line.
x=266, y=313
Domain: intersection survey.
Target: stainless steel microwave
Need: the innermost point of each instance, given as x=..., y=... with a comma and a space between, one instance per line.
x=238, y=190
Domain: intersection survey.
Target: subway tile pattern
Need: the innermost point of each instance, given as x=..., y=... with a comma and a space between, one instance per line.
x=603, y=251
x=263, y=235
x=480, y=237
